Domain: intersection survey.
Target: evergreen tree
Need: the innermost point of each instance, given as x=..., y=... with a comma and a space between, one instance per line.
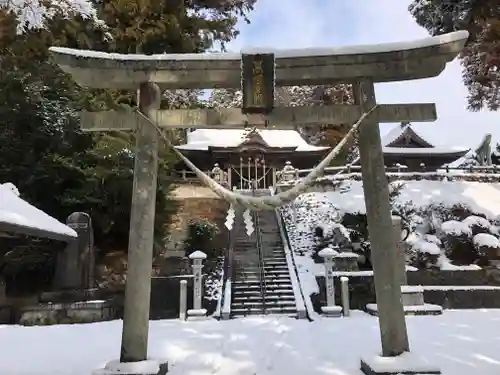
x=481, y=56
x=55, y=165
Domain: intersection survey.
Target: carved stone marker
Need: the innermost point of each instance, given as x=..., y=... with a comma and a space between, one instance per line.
x=330, y=309
x=197, y=257
x=76, y=263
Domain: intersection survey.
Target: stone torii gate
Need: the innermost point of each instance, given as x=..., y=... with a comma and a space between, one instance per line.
x=360, y=66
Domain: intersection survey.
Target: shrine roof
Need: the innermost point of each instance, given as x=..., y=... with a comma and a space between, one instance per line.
x=20, y=217
x=426, y=150
x=428, y=146
x=202, y=139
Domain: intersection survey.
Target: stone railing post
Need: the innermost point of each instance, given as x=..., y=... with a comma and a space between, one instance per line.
x=182, y=299
x=330, y=309
x=344, y=286
x=197, y=311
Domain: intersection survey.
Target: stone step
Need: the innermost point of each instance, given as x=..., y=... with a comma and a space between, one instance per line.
x=243, y=312
x=271, y=271
x=249, y=283
x=247, y=304
x=266, y=298
x=271, y=300
x=275, y=262
x=275, y=280
x=274, y=292
x=278, y=275
x=279, y=310
x=254, y=284
x=268, y=307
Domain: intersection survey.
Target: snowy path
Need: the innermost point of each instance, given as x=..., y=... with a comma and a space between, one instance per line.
x=461, y=342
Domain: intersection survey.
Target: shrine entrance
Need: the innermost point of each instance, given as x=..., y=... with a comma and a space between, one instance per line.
x=257, y=75
x=252, y=173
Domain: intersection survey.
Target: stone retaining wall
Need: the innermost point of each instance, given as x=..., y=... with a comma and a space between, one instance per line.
x=65, y=313
x=362, y=290
x=193, y=203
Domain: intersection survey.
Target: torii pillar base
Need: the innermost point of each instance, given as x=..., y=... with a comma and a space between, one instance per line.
x=404, y=364
x=148, y=367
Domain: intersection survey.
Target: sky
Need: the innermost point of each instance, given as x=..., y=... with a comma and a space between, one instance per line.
x=331, y=23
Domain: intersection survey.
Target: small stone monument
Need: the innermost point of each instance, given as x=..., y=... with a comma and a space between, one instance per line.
x=197, y=311
x=76, y=263
x=330, y=309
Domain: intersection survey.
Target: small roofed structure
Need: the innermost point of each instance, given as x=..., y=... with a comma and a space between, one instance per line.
x=19, y=217
x=250, y=154
x=403, y=145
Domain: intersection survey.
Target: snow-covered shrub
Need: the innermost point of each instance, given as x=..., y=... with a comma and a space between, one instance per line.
x=212, y=281
x=333, y=235
x=477, y=224
x=487, y=247
x=457, y=242
x=200, y=237
x=424, y=251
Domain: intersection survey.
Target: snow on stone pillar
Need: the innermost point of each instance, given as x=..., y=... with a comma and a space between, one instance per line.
x=197, y=257
x=330, y=309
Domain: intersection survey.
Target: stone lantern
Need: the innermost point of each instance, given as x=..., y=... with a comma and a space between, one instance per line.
x=287, y=174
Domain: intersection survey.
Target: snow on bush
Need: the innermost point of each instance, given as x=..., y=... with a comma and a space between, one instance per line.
x=487, y=246
x=423, y=251
x=425, y=247
x=442, y=215
x=486, y=240
x=477, y=224
x=456, y=228
x=302, y=218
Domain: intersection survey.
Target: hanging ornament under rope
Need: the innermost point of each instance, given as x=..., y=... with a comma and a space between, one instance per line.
x=247, y=219
x=230, y=218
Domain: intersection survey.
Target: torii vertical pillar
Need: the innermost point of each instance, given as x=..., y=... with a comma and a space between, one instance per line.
x=134, y=345
x=392, y=322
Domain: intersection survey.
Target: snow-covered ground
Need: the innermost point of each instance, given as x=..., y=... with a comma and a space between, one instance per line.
x=460, y=342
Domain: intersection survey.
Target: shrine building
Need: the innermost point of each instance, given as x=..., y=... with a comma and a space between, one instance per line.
x=250, y=155
x=403, y=145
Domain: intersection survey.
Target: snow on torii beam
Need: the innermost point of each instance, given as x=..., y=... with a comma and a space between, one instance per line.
x=310, y=66
x=281, y=118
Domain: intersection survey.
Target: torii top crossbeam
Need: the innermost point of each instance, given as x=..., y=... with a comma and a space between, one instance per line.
x=382, y=62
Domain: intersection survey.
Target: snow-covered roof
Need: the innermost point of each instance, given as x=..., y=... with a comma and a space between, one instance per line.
x=425, y=150
x=17, y=215
x=202, y=139
x=399, y=130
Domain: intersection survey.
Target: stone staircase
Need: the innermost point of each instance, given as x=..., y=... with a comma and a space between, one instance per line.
x=261, y=281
